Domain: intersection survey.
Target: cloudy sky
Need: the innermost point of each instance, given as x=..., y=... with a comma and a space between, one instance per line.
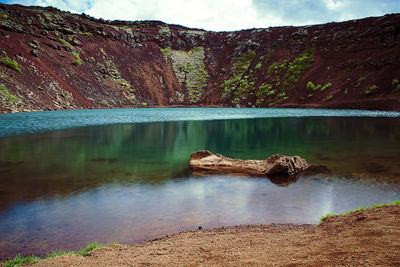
x=225, y=15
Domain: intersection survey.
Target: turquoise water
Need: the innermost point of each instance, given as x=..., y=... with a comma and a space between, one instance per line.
x=128, y=180
x=32, y=122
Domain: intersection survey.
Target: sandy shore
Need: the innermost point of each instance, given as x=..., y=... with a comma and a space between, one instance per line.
x=363, y=238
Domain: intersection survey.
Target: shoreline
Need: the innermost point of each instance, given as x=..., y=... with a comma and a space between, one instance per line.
x=388, y=104
x=362, y=237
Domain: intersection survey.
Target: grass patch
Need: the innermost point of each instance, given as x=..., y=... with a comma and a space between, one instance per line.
x=326, y=86
x=394, y=203
x=18, y=260
x=76, y=54
x=12, y=64
x=240, y=86
x=372, y=89
x=298, y=67
x=166, y=51
x=311, y=87
x=89, y=248
x=276, y=67
x=396, y=84
x=11, y=98
x=88, y=34
x=58, y=253
x=77, y=62
x=64, y=42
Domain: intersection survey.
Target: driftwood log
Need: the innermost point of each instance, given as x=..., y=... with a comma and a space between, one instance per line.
x=276, y=165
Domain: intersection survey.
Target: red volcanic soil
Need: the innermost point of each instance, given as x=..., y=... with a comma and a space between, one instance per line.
x=70, y=61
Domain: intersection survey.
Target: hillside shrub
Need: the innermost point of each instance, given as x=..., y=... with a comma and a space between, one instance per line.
x=77, y=62
x=326, y=86
x=372, y=89
x=12, y=64
x=11, y=98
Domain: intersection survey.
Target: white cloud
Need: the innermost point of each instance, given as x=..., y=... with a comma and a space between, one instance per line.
x=69, y=5
x=208, y=14
x=219, y=15
x=108, y=9
x=334, y=4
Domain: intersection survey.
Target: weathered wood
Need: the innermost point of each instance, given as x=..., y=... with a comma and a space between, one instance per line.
x=275, y=165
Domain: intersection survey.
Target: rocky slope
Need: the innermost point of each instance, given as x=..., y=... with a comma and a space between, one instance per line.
x=52, y=59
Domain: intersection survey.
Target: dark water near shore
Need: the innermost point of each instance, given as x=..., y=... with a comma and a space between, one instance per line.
x=130, y=182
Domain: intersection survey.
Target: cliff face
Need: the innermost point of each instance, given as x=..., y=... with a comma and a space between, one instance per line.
x=57, y=60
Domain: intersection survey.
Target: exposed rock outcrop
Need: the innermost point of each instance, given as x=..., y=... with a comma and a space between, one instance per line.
x=276, y=165
x=100, y=64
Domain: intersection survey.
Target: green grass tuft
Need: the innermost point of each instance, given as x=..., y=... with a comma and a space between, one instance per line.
x=298, y=67
x=394, y=203
x=89, y=248
x=77, y=62
x=166, y=51
x=372, y=89
x=64, y=42
x=11, y=98
x=326, y=86
x=58, y=253
x=12, y=64
x=18, y=261
x=76, y=55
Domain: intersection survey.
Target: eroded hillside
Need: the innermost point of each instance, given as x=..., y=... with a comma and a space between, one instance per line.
x=52, y=59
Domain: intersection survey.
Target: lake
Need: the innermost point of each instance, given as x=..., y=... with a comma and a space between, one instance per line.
x=68, y=178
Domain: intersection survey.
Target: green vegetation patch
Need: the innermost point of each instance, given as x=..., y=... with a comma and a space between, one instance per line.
x=78, y=61
x=326, y=86
x=89, y=248
x=190, y=70
x=297, y=68
x=237, y=83
x=64, y=42
x=311, y=87
x=12, y=64
x=283, y=76
x=372, y=89
x=18, y=260
x=276, y=67
x=264, y=90
x=76, y=54
x=396, y=84
x=394, y=203
x=11, y=98
x=280, y=77
x=166, y=51
x=241, y=63
x=88, y=34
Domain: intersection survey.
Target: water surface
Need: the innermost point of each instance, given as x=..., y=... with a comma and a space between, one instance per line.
x=129, y=182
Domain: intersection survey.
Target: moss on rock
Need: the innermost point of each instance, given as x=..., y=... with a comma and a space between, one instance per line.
x=190, y=70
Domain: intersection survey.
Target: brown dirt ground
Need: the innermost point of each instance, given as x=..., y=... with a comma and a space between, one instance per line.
x=366, y=238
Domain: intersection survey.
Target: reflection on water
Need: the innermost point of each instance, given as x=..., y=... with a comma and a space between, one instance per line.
x=131, y=182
